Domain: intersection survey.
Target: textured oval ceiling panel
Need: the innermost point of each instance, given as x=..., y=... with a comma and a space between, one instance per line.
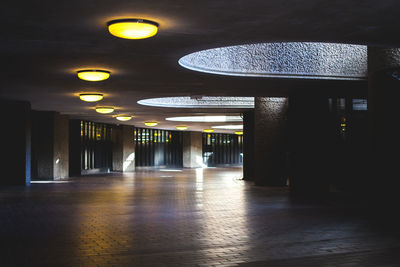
x=303, y=60
x=200, y=102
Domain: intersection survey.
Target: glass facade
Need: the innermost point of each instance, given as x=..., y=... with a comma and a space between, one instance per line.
x=96, y=145
x=158, y=148
x=222, y=149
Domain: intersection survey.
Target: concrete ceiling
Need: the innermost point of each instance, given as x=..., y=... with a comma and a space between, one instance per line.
x=45, y=42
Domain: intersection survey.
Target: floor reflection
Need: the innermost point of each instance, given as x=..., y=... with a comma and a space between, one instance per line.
x=188, y=217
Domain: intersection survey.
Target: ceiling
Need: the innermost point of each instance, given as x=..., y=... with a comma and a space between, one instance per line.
x=43, y=44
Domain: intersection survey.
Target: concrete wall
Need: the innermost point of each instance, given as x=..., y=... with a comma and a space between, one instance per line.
x=15, y=143
x=74, y=148
x=50, y=145
x=312, y=145
x=248, y=146
x=61, y=146
x=123, y=148
x=270, y=130
x=192, y=150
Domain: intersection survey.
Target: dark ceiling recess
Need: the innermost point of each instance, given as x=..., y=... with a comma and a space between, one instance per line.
x=54, y=41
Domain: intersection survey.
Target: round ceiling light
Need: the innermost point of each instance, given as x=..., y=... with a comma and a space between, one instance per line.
x=150, y=123
x=239, y=132
x=181, y=127
x=133, y=28
x=91, y=97
x=206, y=118
x=208, y=130
x=93, y=75
x=104, y=110
x=229, y=127
x=123, y=117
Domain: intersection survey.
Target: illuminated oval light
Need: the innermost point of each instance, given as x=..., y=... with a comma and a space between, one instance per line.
x=93, y=75
x=150, y=123
x=181, y=127
x=91, y=97
x=104, y=110
x=228, y=127
x=123, y=117
x=239, y=132
x=222, y=118
x=208, y=130
x=133, y=28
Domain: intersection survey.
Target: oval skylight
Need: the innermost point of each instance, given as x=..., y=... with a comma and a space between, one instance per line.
x=200, y=102
x=206, y=118
x=303, y=60
x=228, y=127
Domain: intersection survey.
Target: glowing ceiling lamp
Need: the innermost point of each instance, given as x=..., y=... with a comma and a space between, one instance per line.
x=150, y=123
x=229, y=127
x=91, y=97
x=123, y=117
x=206, y=118
x=208, y=130
x=104, y=110
x=239, y=132
x=181, y=127
x=93, y=75
x=132, y=28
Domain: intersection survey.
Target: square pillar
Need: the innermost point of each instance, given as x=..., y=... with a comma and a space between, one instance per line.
x=123, y=148
x=248, y=145
x=50, y=145
x=192, y=150
x=270, y=115
x=15, y=159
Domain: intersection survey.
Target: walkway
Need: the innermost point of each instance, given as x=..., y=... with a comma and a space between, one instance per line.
x=183, y=218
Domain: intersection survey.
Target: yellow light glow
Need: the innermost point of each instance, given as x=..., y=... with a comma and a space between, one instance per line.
x=239, y=132
x=181, y=127
x=132, y=28
x=93, y=75
x=208, y=130
x=104, y=110
x=123, y=117
x=150, y=123
x=91, y=97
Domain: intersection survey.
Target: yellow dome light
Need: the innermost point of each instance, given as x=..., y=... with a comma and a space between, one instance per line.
x=239, y=132
x=208, y=130
x=150, y=123
x=181, y=127
x=104, y=110
x=123, y=117
x=93, y=75
x=91, y=97
x=133, y=28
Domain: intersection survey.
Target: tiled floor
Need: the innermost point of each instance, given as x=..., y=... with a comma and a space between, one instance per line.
x=184, y=218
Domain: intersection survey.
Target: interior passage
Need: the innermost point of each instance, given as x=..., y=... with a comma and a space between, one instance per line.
x=184, y=217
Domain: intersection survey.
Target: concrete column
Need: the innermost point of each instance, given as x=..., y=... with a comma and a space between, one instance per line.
x=383, y=116
x=248, y=145
x=123, y=148
x=50, y=145
x=312, y=145
x=192, y=150
x=15, y=143
x=270, y=125
x=75, y=140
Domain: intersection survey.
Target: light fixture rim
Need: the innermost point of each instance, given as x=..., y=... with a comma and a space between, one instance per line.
x=123, y=115
x=94, y=70
x=151, y=122
x=146, y=21
x=98, y=94
x=105, y=107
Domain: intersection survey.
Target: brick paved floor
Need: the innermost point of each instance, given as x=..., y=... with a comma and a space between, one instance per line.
x=184, y=218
